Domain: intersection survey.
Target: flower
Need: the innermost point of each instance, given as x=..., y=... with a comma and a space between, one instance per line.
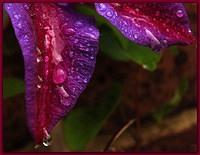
x=60, y=46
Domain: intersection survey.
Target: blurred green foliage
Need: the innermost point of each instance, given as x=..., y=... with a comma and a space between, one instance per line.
x=12, y=87
x=169, y=106
x=84, y=122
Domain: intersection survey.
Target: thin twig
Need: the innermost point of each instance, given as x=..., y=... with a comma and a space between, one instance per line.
x=118, y=134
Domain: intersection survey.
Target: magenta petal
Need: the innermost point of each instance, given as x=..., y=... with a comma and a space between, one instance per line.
x=59, y=48
x=156, y=25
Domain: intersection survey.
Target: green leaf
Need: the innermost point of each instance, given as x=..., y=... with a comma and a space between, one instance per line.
x=84, y=122
x=110, y=46
x=168, y=107
x=12, y=87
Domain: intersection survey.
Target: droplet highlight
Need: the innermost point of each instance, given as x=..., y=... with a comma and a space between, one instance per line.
x=47, y=140
x=179, y=13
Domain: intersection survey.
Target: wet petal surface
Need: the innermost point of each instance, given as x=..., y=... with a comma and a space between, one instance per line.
x=59, y=49
x=156, y=25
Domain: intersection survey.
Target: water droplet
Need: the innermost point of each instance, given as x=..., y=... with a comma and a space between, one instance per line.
x=46, y=58
x=38, y=50
x=46, y=72
x=47, y=140
x=167, y=30
x=40, y=78
x=137, y=9
x=39, y=59
x=102, y=7
x=46, y=28
x=19, y=25
x=76, y=41
x=63, y=92
x=154, y=40
x=26, y=6
x=165, y=41
x=91, y=57
x=144, y=66
x=59, y=75
x=189, y=30
x=179, y=13
x=79, y=23
x=36, y=146
x=135, y=36
x=38, y=86
x=16, y=16
x=71, y=54
x=69, y=31
x=109, y=13
x=85, y=80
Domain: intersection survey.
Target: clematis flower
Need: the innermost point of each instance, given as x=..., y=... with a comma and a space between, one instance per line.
x=60, y=45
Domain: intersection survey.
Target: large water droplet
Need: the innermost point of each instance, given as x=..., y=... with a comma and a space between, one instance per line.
x=179, y=13
x=47, y=140
x=59, y=75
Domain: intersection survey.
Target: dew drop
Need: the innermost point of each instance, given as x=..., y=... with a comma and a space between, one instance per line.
x=63, y=92
x=19, y=25
x=85, y=80
x=39, y=59
x=69, y=31
x=179, y=13
x=47, y=140
x=109, y=13
x=189, y=31
x=137, y=9
x=102, y=7
x=38, y=50
x=59, y=75
x=16, y=16
x=91, y=57
x=79, y=23
x=165, y=41
x=76, y=41
x=40, y=78
x=135, y=36
x=46, y=58
x=144, y=66
x=38, y=86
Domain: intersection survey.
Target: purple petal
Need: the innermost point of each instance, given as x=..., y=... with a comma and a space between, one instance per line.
x=156, y=25
x=59, y=48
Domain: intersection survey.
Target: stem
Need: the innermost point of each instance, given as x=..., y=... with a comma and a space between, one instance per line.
x=118, y=134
